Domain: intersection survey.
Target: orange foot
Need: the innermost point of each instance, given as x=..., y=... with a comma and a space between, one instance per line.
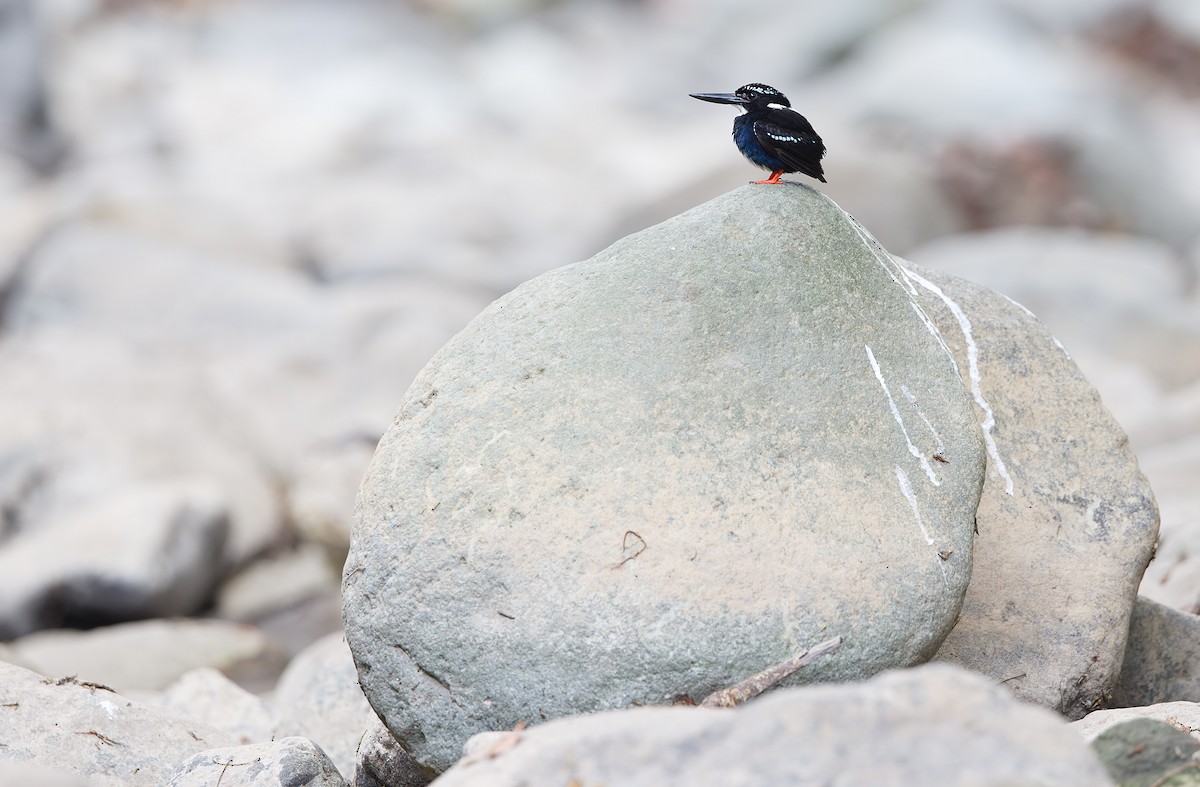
x=771, y=180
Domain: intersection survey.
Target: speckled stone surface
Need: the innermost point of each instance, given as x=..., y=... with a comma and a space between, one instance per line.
x=656, y=472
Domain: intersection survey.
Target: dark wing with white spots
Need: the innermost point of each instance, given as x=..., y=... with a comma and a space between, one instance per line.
x=795, y=144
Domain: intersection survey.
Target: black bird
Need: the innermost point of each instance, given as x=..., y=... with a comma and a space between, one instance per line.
x=772, y=134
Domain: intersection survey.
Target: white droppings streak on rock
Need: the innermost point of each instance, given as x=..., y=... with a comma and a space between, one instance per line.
x=1025, y=309
x=110, y=708
x=897, y=273
x=989, y=419
x=912, y=449
x=877, y=251
x=929, y=324
x=912, y=399
x=1019, y=305
x=911, y=496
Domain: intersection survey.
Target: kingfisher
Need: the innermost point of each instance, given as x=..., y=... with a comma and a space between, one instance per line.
x=770, y=133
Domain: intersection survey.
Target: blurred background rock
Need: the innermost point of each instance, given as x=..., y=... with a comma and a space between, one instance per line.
x=231, y=232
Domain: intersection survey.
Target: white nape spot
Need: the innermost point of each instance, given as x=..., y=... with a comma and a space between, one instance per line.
x=912, y=449
x=989, y=418
x=776, y=106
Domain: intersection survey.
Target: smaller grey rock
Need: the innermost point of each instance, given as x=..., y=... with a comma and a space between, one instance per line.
x=290, y=762
x=1064, y=505
x=206, y=694
x=275, y=583
x=1162, y=658
x=321, y=496
x=318, y=697
x=1145, y=752
x=150, y=654
x=932, y=725
x=383, y=762
x=1180, y=715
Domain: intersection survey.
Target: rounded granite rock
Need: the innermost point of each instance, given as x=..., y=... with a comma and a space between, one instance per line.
x=654, y=473
x=1064, y=507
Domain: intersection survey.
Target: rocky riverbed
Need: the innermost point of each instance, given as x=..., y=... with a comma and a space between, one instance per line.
x=235, y=231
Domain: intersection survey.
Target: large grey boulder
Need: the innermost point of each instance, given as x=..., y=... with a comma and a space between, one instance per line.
x=931, y=726
x=1067, y=521
x=86, y=729
x=659, y=471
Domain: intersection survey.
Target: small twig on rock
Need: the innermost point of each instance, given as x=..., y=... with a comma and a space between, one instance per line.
x=751, y=687
x=630, y=549
x=101, y=737
x=73, y=680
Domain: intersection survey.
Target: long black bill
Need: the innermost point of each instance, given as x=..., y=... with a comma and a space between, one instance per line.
x=719, y=98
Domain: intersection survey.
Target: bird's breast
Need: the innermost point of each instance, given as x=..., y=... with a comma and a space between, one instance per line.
x=747, y=142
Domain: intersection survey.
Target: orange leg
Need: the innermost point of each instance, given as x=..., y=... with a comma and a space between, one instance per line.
x=771, y=180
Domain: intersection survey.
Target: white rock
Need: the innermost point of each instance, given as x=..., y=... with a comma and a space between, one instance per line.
x=318, y=697
x=207, y=695
x=149, y=654
x=935, y=725
x=72, y=727
x=276, y=583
